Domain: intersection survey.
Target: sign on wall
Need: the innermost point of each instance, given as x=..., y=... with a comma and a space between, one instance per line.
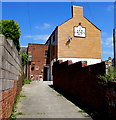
x=79, y=31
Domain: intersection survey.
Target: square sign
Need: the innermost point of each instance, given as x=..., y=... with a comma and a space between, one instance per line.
x=79, y=31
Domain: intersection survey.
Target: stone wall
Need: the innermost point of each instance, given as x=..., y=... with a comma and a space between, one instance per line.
x=11, y=75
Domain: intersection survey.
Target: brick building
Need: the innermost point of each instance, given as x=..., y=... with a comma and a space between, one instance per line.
x=77, y=39
x=37, y=61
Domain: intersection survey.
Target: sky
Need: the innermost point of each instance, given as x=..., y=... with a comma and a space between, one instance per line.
x=37, y=20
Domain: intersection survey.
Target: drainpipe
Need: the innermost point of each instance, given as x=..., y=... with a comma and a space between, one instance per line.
x=114, y=39
x=114, y=34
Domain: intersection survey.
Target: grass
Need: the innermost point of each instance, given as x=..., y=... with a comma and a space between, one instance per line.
x=26, y=81
x=52, y=88
x=13, y=116
x=20, y=113
x=82, y=111
x=59, y=94
x=15, y=104
x=22, y=95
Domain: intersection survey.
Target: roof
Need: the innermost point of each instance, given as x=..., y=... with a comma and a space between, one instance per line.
x=23, y=50
x=34, y=44
x=92, y=23
x=68, y=20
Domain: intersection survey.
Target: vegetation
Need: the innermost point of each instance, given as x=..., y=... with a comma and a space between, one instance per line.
x=22, y=95
x=27, y=81
x=13, y=117
x=24, y=58
x=20, y=113
x=59, y=94
x=110, y=76
x=11, y=31
x=82, y=111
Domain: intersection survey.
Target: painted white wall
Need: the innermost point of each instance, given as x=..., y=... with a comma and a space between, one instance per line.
x=89, y=61
x=74, y=60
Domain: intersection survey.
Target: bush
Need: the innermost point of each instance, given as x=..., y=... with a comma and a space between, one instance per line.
x=11, y=31
x=110, y=76
x=24, y=58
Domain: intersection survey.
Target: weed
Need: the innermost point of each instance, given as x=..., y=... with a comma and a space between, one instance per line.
x=15, y=106
x=82, y=111
x=59, y=94
x=22, y=95
x=27, y=81
x=20, y=113
x=53, y=88
x=12, y=116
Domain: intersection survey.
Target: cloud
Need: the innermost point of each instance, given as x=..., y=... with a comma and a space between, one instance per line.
x=45, y=26
x=108, y=42
x=110, y=7
x=43, y=38
x=104, y=34
x=107, y=52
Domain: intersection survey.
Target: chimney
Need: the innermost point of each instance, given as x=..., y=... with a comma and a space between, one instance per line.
x=77, y=11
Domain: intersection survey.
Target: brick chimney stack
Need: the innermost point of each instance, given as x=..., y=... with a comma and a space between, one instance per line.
x=77, y=11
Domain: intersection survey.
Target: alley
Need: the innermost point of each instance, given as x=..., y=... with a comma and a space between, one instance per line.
x=41, y=101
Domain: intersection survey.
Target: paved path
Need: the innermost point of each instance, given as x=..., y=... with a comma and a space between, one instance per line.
x=41, y=101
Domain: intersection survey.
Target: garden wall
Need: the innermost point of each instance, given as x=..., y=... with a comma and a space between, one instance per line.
x=82, y=83
x=11, y=76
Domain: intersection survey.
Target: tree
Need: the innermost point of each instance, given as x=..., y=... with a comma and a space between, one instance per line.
x=24, y=58
x=11, y=31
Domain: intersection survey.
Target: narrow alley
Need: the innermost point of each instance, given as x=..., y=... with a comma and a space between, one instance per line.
x=41, y=101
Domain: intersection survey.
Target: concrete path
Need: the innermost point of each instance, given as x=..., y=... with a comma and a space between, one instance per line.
x=41, y=101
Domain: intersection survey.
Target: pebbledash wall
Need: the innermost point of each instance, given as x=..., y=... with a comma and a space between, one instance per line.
x=11, y=76
x=81, y=82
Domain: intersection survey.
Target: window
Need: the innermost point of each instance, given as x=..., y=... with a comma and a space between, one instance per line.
x=53, y=37
x=32, y=68
x=46, y=53
x=37, y=68
x=53, y=50
x=42, y=71
x=30, y=58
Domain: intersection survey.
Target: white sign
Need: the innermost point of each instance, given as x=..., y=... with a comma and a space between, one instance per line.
x=79, y=31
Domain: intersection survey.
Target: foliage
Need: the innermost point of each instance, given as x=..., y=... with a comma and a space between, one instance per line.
x=22, y=95
x=10, y=30
x=24, y=58
x=12, y=116
x=20, y=113
x=110, y=76
x=82, y=111
x=27, y=81
x=59, y=94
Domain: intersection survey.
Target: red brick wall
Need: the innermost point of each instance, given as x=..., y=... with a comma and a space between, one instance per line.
x=8, y=97
x=80, y=82
x=110, y=99
x=38, y=59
